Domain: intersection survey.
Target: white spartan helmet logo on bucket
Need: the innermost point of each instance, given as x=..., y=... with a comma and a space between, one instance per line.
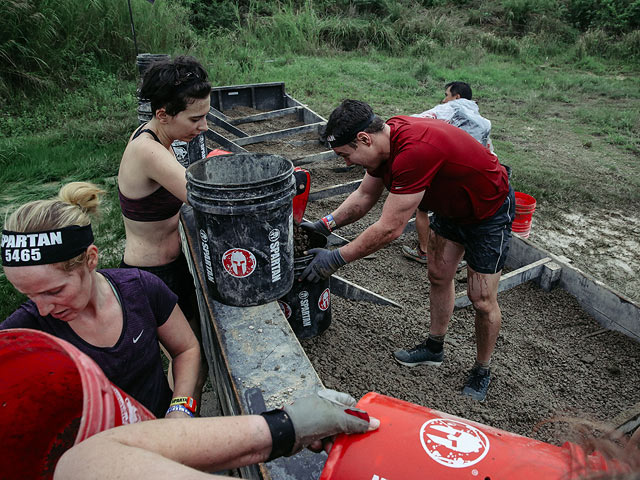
x=324, y=300
x=239, y=262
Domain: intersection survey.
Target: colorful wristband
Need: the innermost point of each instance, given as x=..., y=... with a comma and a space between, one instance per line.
x=188, y=402
x=329, y=222
x=283, y=437
x=179, y=408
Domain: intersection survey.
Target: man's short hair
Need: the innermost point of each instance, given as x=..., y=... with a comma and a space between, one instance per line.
x=347, y=120
x=459, y=88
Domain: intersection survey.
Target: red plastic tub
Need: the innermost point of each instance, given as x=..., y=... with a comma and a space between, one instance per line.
x=525, y=206
x=52, y=396
x=417, y=443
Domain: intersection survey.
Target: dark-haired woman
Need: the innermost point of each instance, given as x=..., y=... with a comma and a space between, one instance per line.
x=151, y=182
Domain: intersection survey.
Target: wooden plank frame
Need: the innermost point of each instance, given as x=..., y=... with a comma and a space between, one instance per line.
x=249, y=350
x=288, y=132
x=270, y=97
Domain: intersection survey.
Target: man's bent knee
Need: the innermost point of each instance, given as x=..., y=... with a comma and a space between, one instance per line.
x=485, y=305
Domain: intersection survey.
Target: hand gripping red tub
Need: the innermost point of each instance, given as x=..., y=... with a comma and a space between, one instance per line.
x=417, y=443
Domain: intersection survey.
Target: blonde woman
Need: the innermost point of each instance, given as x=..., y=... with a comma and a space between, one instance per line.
x=116, y=316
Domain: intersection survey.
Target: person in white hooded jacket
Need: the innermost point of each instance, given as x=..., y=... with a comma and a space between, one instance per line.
x=458, y=109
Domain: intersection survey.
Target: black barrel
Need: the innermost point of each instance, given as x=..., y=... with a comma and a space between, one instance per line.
x=244, y=216
x=144, y=112
x=307, y=306
x=143, y=60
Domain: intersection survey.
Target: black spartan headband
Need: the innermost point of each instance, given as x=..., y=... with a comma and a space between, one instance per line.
x=21, y=249
x=349, y=135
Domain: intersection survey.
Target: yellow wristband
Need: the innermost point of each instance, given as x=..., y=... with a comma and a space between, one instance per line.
x=188, y=402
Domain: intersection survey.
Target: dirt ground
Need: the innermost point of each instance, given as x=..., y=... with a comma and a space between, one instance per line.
x=551, y=358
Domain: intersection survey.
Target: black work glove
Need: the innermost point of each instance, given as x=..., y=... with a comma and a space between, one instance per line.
x=324, y=264
x=318, y=226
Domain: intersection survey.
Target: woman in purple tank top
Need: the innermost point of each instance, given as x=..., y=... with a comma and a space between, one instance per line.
x=118, y=316
x=152, y=184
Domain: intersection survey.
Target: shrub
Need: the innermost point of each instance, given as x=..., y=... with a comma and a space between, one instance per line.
x=616, y=16
x=629, y=45
x=594, y=42
x=356, y=33
x=519, y=14
x=495, y=44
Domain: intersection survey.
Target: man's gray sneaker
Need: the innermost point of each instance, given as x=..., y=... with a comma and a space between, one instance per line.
x=477, y=383
x=414, y=254
x=418, y=355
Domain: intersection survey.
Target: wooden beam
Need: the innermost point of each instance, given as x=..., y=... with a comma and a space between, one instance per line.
x=550, y=277
x=334, y=190
x=218, y=113
x=249, y=349
x=314, y=157
x=265, y=115
x=351, y=291
x=226, y=125
x=509, y=280
x=224, y=142
x=265, y=137
x=628, y=420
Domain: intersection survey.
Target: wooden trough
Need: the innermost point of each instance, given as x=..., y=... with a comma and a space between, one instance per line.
x=255, y=360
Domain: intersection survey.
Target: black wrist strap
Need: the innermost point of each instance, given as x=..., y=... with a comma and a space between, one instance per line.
x=283, y=436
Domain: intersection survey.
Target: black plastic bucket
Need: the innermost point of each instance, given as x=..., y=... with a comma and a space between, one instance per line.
x=243, y=212
x=191, y=152
x=144, y=60
x=307, y=306
x=144, y=112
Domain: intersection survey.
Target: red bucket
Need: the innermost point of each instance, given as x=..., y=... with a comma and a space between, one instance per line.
x=52, y=397
x=525, y=206
x=417, y=443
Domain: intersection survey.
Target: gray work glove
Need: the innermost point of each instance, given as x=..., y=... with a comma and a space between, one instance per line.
x=324, y=264
x=325, y=414
x=318, y=226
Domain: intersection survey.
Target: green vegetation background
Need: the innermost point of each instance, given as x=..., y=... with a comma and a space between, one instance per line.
x=558, y=78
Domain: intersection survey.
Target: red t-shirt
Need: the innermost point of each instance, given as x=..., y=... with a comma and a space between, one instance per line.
x=462, y=179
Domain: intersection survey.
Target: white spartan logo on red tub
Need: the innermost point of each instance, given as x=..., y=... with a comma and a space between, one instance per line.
x=239, y=262
x=453, y=443
x=323, y=301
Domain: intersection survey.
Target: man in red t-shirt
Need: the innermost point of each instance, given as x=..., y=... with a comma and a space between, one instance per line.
x=431, y=165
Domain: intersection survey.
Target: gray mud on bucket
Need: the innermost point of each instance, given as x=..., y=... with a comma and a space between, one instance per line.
x=243, y=211
x=307, y=306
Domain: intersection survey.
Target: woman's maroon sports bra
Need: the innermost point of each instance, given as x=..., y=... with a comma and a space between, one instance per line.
x=158, y=205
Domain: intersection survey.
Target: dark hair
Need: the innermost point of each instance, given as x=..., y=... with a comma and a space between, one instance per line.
x=459, y=88
x=347, y=116
x=173, y=84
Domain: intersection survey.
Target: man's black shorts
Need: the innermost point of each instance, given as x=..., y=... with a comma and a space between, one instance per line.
x=486, y=244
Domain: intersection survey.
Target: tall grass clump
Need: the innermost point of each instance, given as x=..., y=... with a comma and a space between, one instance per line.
x=286, y=29
x=43, y=42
